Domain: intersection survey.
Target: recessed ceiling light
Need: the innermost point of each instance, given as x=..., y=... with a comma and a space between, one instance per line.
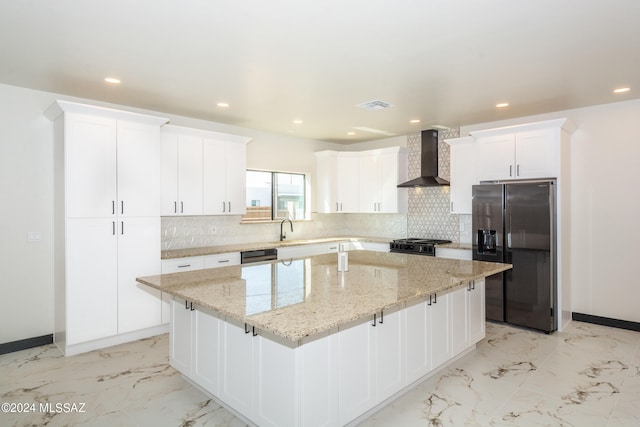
x=414, y=121
x=351, y=133
x=222, y=104
x=297, y=122
x=112, y=80
x=622, y=90
x=502, y=105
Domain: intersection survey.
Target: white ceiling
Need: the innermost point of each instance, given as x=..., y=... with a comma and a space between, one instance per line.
x=443, y=62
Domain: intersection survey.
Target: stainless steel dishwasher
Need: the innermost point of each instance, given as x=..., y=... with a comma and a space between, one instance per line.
x=247, y=257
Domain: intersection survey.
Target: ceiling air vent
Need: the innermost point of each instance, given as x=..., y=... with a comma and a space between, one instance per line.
x=374, y=105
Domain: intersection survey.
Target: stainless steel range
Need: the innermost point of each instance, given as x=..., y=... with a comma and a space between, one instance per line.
x=416, y=246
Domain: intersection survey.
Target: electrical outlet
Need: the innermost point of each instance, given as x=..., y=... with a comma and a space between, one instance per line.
x=34, y=236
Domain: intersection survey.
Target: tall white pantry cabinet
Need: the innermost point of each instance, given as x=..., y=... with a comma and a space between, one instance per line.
x=106, y=225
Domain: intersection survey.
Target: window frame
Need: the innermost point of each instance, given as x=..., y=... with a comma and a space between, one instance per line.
x=274, y=197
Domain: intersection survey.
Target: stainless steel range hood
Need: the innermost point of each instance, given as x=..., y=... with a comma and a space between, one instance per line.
x=428, y=162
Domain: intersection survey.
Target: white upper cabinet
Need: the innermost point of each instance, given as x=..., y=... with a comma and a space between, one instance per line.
x=112, y=167
x=348, y=199
x=462, y=173
x=225, y=177
x=365, y=181
x=203, y=172
x=181, y=173
x=138, y=169
x=380, y=173
x=528, y=151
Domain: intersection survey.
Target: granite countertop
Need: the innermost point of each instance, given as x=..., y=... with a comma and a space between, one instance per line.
x=308, y=296
x=239, y=247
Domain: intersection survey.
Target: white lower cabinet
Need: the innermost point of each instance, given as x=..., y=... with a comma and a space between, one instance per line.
x=331, y=380
x=237, y=369
x=468, y=316
x=440, y=329
x=477, y=323
x=91, y=282
x=104, y=257
x=371, y=364
x=194, y=342
x=180, y=337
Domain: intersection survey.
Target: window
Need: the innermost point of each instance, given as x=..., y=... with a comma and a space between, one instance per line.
x=275, y=195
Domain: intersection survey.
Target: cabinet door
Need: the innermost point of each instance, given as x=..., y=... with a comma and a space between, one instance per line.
x=477, y=323
x=369, y=192
x=236, y=381
x=537, y=154
x=318, y=391
x=326, y=182
x=348, y=185
x=180, y=337
x=275, y=384
x=388, y=184
x=91, y=282
x=189, y=175
x=206, y=351
x=90, y=166
x=215, y=177
x=390, y=361
x=138, y=169
x=440, y=330
x=139, y=306
x=496, y=157
x=356, y=380
x=463, y=177
x=169, y=174
x=418, y=342
x=236, y=178
x=459, y=319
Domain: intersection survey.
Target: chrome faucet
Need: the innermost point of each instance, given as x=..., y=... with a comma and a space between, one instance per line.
x=282, y=235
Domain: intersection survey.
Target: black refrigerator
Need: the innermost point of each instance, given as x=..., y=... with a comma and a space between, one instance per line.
x=516, y=223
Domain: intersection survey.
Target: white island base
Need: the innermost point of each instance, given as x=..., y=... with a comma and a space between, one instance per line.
x=335, y=379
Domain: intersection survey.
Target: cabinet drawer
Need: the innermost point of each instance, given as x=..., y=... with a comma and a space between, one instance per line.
x=182, y=264
x=222, y=260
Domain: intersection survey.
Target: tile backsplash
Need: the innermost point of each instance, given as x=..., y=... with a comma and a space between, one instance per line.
x=198, y=231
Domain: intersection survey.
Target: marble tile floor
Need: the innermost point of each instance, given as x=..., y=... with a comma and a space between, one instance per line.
x=586, y=375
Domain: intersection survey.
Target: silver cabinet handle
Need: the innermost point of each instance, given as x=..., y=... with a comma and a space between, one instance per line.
x=121, y=227
x=229, y=207
x=113, y=207
x=341, y=206
x=184, y=266
x=224, y=207
x=337, y=207
x=510, y=170
x=379, y=206
x=113, y=227
x=518, y=170
x=451, y=206
x=181, y=207
x=222, y=261
x=374, y=207
x=175, y=207
x=121, y=207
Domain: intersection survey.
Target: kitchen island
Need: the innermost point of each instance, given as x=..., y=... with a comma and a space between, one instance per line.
x=297, y=343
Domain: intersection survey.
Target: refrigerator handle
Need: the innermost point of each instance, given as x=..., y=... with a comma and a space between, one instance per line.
x=509, y=240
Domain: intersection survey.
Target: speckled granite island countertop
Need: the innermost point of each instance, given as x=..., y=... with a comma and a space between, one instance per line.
x=301, y=298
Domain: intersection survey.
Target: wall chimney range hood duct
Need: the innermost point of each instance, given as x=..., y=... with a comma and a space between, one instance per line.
x=428, y=162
